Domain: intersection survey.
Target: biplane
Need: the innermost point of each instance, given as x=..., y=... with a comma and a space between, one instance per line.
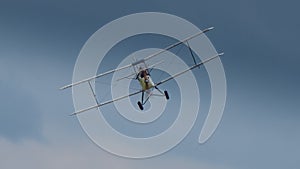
x=143, y=76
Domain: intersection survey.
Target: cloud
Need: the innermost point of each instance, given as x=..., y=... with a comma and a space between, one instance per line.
x=31, y=106
x=32, y=154
x=19, y=115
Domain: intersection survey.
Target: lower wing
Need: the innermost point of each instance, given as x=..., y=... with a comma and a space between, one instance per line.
x=104, y=103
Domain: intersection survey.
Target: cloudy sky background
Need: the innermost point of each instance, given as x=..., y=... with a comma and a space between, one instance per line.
x=39, y=44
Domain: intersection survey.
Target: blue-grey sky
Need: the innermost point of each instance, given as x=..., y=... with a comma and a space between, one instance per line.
x=39, y=44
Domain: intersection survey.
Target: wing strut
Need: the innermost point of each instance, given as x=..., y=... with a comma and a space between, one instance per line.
x=93, y=92
x=191, y=51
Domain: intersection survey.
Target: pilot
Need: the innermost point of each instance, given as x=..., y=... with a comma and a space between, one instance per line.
x=143, y=74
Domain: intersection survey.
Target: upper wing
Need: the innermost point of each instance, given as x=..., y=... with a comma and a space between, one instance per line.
x=94, y=77
x=178, y=43
x=139, y=61
x=190, y=68
x=107, y=102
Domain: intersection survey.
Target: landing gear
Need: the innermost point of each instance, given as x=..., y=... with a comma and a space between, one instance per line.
x=162, y=93
x=167, y=95
x=140, y=105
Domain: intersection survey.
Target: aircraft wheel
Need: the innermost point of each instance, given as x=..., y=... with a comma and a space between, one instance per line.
x=140, y=105
x=167, y=95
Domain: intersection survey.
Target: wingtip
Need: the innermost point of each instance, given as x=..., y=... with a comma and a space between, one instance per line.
x=73, y=114
x=64, y=87
x=211, y=28
x=208, y=29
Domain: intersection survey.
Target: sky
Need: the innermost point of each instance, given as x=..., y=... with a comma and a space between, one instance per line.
x=41, y=40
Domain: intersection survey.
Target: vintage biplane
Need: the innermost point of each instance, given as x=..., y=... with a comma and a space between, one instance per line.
x=142, y=74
